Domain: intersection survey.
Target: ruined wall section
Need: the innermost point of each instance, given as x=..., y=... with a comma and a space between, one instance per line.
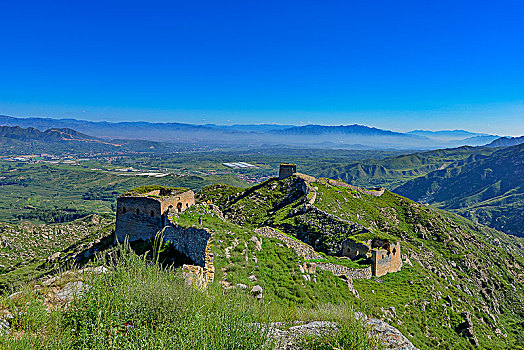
x=286, y=170
x=385, y=256
x=142, y=217
x=191, y=241
x=355, y=250
x=396, y=258
x=178, y=202
x=386, y=260
x=381, y=262
x=194, y=242
x=137, y=218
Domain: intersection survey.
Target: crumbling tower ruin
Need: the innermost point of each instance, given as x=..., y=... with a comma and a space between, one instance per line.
x=384, y=256
x=286, y=170
x=142, y=215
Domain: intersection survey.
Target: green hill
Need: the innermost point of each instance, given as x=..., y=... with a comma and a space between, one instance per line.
x=461, y=282
x=488, y=190
x=394, y=171
x=451, y=265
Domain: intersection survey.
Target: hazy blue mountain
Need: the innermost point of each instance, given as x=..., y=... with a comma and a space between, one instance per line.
x=506, y=141
x=32, y=134
x=475, y=140
x=15, y=139
x=251, y=127
x=354, y=129
x=448, y=135
x=245, y=135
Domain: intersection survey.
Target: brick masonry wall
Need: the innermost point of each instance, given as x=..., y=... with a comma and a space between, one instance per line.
x=191, y=241
x=194, y=242
x=137, y=218
x=180, y=201
x=339, y=270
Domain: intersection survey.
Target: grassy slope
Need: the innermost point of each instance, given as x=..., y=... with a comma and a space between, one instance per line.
x=393, y=171
x=489, y=190
x=450, y=256
x=167, y=314
x=27, y=248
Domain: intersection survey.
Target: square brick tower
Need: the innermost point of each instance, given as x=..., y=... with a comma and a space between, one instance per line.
x=286, y=170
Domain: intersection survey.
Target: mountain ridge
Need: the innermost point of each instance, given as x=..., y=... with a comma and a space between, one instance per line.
x=477, y=189
x=245, y=135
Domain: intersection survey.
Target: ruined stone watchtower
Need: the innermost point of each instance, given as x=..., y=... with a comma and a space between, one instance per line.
x=140, y=213
x=144, y=212
x=384, y=256
x=286, y=170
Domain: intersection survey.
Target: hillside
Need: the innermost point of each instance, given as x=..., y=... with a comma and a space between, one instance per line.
x=487, y=189
x=460, y=284
x=456, y=137
x=451, y=266
x=394, y=171
x=506, y=141
x=29, y=251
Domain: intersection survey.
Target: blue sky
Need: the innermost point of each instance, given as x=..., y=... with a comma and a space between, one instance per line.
x=398, y=65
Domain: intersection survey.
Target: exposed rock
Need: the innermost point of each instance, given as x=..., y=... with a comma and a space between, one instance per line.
x=393, y=311
x=290, y=339
x=73, y=290
x=390, y=336
x=257, y=241
x=197, y=276
x=98, y=269
x=256, y=291
x=5, y=326
x=466, y=328
x=252, y=278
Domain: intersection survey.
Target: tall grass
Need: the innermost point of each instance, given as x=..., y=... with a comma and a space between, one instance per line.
x=142, y=305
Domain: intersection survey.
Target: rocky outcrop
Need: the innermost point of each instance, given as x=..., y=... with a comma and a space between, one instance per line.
x=466, y=329
x=290, y=339
x=340, y=270
x=73, y=290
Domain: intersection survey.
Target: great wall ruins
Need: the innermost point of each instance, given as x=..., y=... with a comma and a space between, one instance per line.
x=143, y=215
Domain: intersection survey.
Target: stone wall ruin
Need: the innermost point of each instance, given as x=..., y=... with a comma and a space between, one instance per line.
x=384, y=256
x=286, y=170
x=141, y=216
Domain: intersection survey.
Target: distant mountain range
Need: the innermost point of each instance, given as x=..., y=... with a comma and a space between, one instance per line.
x=15, y=139
x=313, y=136
x=448, y=134
x=354, y=129
x=506, y=141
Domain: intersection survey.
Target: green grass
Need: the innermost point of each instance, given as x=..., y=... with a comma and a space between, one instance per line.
x=449, y=248
x=166, y=314
x=149, y=188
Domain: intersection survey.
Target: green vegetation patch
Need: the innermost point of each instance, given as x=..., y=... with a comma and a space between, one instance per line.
x=150, y=188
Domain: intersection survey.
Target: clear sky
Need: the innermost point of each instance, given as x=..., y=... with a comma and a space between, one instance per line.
x=398, y=65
